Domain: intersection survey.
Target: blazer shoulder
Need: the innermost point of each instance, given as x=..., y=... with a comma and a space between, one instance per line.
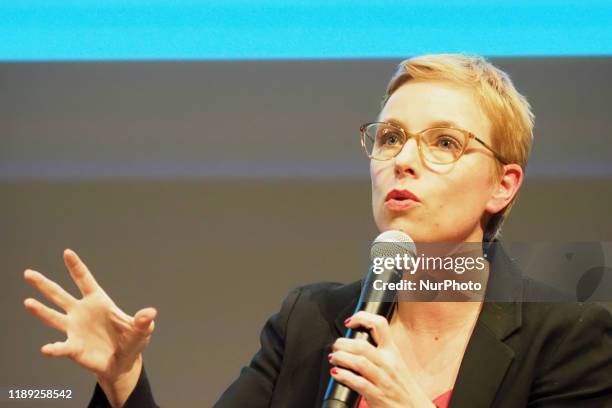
x=566, y=315
x=330, y=289
x=566, y=330
x=317, y=305
x=331, y=297
x=574, y=358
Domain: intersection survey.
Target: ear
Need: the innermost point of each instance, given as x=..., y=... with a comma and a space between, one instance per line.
x=505, y=188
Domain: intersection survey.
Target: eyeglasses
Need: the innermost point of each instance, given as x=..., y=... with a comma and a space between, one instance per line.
x=437, y=145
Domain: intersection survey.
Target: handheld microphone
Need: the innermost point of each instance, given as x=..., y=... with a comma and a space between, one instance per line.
x=389, y=244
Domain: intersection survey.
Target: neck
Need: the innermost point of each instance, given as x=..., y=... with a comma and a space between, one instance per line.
x=437, y=317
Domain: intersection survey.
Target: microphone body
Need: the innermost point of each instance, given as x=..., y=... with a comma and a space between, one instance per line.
x=339, y=395
x=387, y=244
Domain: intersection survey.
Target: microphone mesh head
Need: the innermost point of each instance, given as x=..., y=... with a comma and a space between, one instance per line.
x=392, y=243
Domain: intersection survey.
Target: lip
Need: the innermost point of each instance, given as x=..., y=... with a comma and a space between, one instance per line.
x=399, y=200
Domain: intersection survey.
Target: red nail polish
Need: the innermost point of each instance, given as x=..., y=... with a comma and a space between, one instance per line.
x=334, y=370
x=347, y=321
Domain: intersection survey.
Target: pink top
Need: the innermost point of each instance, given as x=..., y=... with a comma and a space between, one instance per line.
x=441, y=401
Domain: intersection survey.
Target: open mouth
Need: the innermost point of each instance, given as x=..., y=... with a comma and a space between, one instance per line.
x=401, y=200
x=401, y=196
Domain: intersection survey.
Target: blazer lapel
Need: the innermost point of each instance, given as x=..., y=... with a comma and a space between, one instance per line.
x=487, y=357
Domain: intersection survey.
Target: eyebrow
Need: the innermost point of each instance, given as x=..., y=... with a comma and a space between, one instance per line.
x=436, y=123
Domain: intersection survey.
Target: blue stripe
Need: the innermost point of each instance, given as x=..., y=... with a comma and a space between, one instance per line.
x=234, y=29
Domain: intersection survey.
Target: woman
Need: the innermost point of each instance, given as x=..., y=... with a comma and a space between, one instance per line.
x=448, y=153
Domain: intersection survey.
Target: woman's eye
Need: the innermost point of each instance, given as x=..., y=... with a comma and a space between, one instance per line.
x=447, y=143
x=390, y=139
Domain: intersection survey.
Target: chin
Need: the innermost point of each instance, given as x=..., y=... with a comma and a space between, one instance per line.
x=399, y=224
x=409, y=223
x=419, y=233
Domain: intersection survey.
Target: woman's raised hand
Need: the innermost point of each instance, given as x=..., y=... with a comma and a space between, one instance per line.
x=100, y=337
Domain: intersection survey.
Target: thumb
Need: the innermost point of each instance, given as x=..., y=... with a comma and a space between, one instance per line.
x=143, y=320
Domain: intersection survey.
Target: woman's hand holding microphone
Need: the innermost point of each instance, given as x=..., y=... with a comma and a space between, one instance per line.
x=100, y=337
x=378, y=373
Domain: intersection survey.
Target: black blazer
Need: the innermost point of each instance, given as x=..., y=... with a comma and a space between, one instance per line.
x=521, y=354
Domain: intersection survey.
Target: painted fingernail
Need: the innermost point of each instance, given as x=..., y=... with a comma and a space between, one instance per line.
x=347, y=321
x=329, y=356
x=334, y=370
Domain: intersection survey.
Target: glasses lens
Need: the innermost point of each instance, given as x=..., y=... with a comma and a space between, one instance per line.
x=382, y=141
x=443, y=145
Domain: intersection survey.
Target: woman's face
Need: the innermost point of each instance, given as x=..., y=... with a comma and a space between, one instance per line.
x=451, y=198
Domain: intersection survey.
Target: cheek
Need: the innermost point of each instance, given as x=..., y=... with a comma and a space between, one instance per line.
x=379, y=176
x=468, y=194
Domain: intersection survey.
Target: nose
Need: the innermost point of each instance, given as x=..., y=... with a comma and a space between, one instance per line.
x=408, y=159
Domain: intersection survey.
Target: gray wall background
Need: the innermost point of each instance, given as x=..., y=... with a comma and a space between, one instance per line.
x=209, y=189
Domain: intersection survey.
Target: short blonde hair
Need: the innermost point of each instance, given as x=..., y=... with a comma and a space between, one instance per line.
x=509, y=112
